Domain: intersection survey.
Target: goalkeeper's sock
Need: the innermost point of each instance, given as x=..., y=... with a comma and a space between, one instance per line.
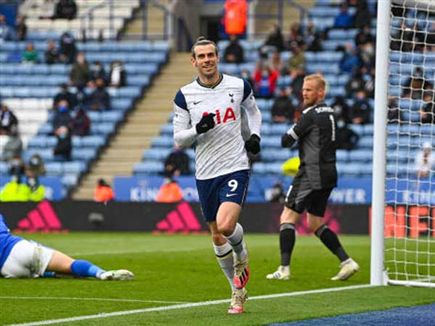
x=330, y=240
x=224, y=256
x=237, y=243
x=84, y=268
x=287, y=239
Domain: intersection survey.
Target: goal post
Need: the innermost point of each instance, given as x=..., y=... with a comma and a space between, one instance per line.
x=403, y=199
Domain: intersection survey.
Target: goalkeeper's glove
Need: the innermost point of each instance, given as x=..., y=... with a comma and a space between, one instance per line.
x=287, y=140
x=252, y=145
x=205, y=124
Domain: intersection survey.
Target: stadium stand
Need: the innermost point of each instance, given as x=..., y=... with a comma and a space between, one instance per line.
x=93, y=17
x=28, y=89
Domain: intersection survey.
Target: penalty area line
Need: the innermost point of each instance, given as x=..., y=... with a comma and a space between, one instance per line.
x=186, y=305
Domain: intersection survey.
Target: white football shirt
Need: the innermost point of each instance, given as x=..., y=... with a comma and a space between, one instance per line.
x=220, y=150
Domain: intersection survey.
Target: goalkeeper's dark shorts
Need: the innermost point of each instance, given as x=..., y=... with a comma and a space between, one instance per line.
x=300, y=197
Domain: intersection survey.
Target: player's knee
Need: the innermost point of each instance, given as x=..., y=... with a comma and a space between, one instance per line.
x=226, y=228
x=314, y=224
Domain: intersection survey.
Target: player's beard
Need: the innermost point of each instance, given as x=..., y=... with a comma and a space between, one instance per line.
x=308, y=103
x=209, y=72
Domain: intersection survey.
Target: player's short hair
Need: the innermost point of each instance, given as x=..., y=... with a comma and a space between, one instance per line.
x=203, y=41
x=321, y=81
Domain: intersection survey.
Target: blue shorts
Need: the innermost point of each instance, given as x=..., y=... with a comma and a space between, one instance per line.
x=229, y=187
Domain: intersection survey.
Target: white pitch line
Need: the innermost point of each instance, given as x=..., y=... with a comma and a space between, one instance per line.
x=122, y=252
x=89, y=299
x=186, y=305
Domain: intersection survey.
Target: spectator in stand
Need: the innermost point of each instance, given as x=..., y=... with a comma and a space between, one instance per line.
x=355, y=83
x=282, y=109
x=416, y=85
x=99, y=99
x=425, y=161
x=274, y=42
x=246, y=75
x=234, y=52
x=295, y=36
x=344, y=19
x=362, y=16
x=35, y=167
x=65, y=94
x=117, y=74
x=62, y=116
x=276, y=63
x=364, y=36
x=20, y=28
x=14, y=145
x=30, y=55
x=350, y=60
x=367, y=54
x=276, y=194
x=297, y=79
x=313, y=38
x=97, y=71
x=297, y=60
x=66, y=9
x=62, y=150
x=81, y=123
x=6, y=33
x=51, y=54
x=67, y=48
x=341, y=109
x=80, y=73
x=428, y=110
x=394, y=115
x=402, y=39
x=346, y=138
x=177, y=163
x=103, y=192
x=8, y=120
x=361, y=108
x=48, y=8
x=264, y=80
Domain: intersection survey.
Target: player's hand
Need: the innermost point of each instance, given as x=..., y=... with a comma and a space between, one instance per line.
x=205, y=124
x=287, y=140
x=252, y=145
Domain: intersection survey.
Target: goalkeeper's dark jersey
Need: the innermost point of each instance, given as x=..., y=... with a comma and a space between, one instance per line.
x=315, y=133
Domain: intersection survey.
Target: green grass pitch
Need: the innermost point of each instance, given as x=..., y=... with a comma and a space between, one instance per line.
x=179, y=269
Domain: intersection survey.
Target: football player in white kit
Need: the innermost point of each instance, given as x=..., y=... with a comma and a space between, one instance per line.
x=208, y=114
x=20, y=258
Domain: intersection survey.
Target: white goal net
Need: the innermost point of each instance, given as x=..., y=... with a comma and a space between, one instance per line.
x=409, y=220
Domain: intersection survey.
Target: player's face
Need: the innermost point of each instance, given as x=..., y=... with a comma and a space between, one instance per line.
x=312, y=92
x=206, y=61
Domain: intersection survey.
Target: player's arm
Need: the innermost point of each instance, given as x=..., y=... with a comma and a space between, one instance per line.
x=297, y=131
x=184, y=132
x=254, y=119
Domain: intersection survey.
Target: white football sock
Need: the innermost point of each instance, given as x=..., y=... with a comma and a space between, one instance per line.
x=224, y=256
x=237, y=243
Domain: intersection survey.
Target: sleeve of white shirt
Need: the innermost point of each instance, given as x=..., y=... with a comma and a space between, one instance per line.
x=184, y=133
x=252, y=112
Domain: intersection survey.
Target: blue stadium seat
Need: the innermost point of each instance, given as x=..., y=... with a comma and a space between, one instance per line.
x=149, y=167
x=70, y=180
x=156, y=154
x=72, y=167
x=53, y=168
x=94, y=141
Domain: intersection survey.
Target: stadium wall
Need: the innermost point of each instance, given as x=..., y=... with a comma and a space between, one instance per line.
x=60, y=216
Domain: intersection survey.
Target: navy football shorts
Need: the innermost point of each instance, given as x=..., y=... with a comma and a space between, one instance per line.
x=213, y=192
